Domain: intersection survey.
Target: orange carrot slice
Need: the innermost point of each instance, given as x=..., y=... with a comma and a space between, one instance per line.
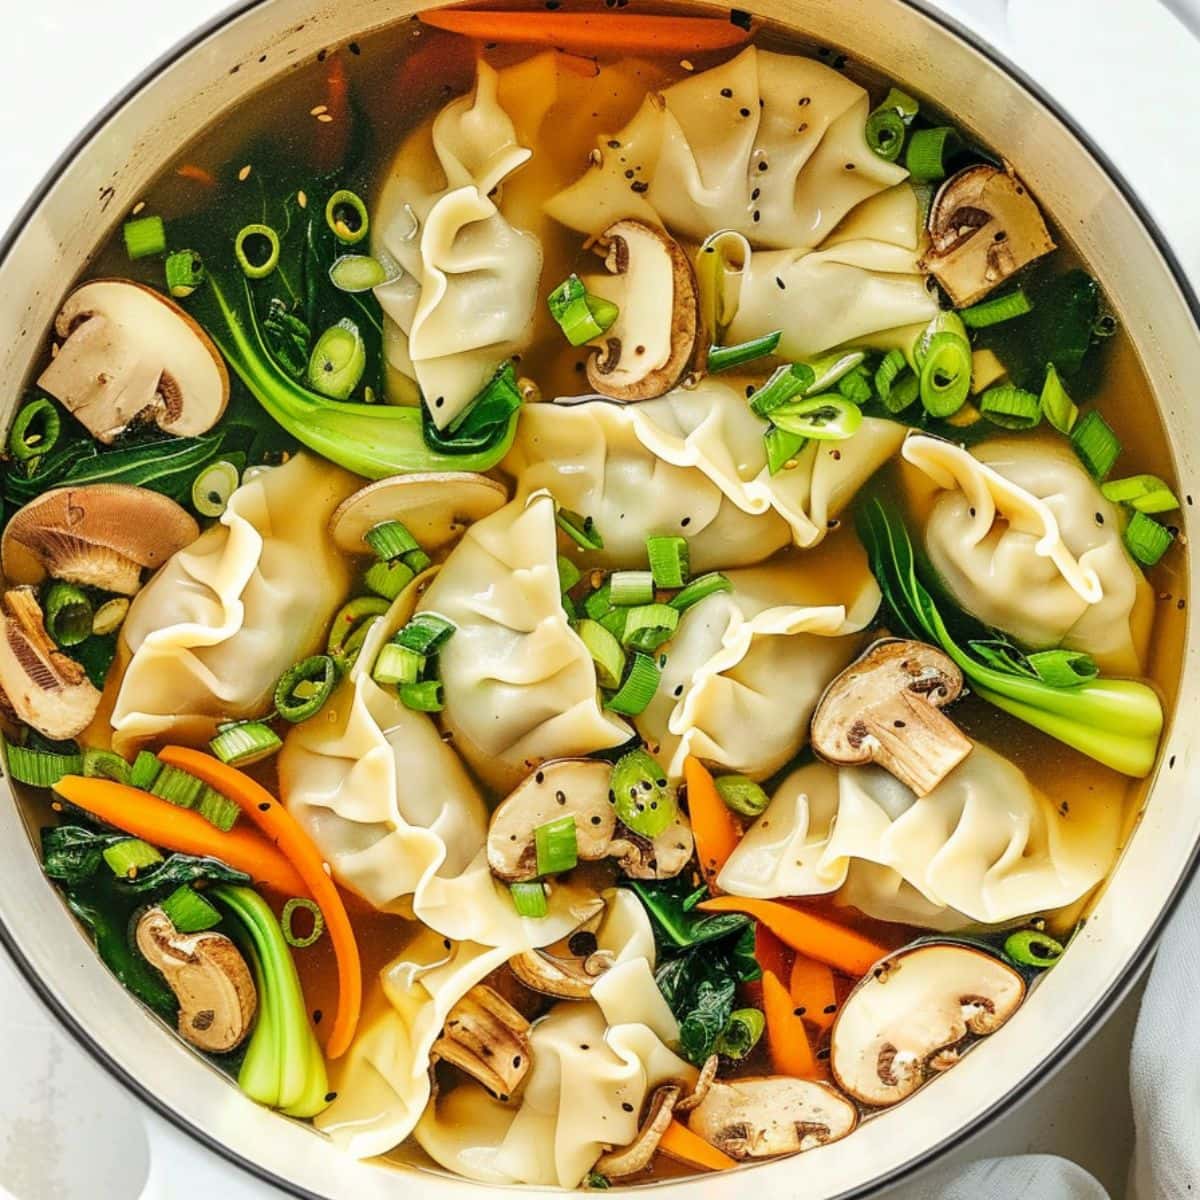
x=688, y=1147
x=812, y=990
x=714, y=827
x=787, y=1038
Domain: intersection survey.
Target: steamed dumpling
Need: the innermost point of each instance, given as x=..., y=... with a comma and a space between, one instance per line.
x=769, y=145
x=746, y=668
x=985, y=843
x=210, y=634
x=1025, y=541
x=520, y=687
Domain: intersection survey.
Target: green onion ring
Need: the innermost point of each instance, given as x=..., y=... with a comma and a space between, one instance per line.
x=294, y=905
x=35, y=431
x=1033, y=948
x=319, y=672
x=885, y=132
x=945, y=374
x=258, y=266
x=346, y=216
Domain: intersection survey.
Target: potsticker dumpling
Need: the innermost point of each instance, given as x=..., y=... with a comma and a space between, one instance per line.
x=769, y=145
x=746, y=668
x=210, y=634
x=520, y=687
x=1025, y=541
x=985, y=843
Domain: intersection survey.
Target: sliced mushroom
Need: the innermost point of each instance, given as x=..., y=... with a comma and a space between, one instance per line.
x=436, y=508
x=209, y=977
x=566, y=968
x=653, y=339
x=131, y=354
x=884, y=708
x=43, y=687
x=765, y=1116
x=984, y=226
x=639, y=1154
x=905, y=1021
x=704, y=1082
x=660, y=858
x=102, y=535
x=488, y=1039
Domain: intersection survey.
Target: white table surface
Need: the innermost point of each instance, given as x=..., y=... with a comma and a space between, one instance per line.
x=67, y=1131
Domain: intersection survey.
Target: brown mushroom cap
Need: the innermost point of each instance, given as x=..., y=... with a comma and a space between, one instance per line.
x=883, y=708
x=905, y=1021
x=568, y=968
x=99, y=535
x=131, y=354
x=639, y=1154
x=488, y=1039
x=769, y=1115
x=662, y=857
x=43, y=687
x=652, y=341
x=435, y=507
x=209, y=977
x=983, y=227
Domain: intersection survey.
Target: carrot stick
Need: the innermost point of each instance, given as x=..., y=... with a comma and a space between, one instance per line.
x=810, y=935
x=681, y=1143
x=812, y=991
x=714, y=827
x=787, y=1038
x=280, y=826
x=169, y=827
x=589, y=32
x=769, y=952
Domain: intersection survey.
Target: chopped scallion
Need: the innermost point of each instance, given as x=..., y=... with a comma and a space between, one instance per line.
x=741, y=795
x=581, y=316
x=110, y=616
x=346, y=216
x=785, y=383
x=668, y=557
x=177, y=787
x=855, y=385
x=212, y=488
x=189, y=912
x=599, y=602
x=568, y=574
x=1147, y=540
x=829, y=368
x=304, y=687
x=218, y=810
x=144, y=237
x=581, y=530
x=605, y=650
x=129, y=856
x=648, y=626
x=529, y=899
x=1057, y=407
x=699, y=589
x=426, y=633
x=822, y=418
x=891, y=366
x=390, y=540
x=929, y=152
x=1033, y=948
x=557, y=845
x=626, y=588
x=638, y=687
x=996, y=310
x=184, y=271
x=397, y=664
x=1145, y=493
x=885, y=132
x=35, y=431
x=425, y=696
x=642, y=795
x=1096, y=444
x=145, y=770
x=40, y=768
x=337, y=361
x=351, y=622
x=357, y=273
x=1010, y=407
x=68, y=613
x=741, y=1034
x=105, y=764
x=287, y=921
x=945, y=375
x=725, y=358
x=256, y=248
x=388, y=579
x=244, y=743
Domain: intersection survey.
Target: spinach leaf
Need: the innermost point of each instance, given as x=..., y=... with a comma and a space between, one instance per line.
x=72, y=854
x=177, y=869
x=95, y=655
x=287, y=337
x=676, y=924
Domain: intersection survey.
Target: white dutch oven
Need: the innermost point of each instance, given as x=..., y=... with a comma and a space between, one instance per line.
x=96, y=183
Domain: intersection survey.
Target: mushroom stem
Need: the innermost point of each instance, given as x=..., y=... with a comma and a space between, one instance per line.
x=488, y=1039
x=914, y=741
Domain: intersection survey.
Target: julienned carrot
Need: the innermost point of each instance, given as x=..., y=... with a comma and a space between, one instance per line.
x=808, y=934
x=169, y=827
x=714, y=827
x=280, y=826
x=812, y=991
x=769, y=952
x=589, y=31
x=688, y=1147
x=196, y=174
x=787, y=1039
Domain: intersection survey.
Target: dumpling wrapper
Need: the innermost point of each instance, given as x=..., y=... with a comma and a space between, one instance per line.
x=208, y=637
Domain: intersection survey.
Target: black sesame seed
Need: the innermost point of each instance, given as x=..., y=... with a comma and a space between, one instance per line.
x=330, y=1097
x=540, y=777
x=639, y=187
x=686, y=522
x=265, y=806
x=627, y=1106
x=727, y=93
x=745, y=112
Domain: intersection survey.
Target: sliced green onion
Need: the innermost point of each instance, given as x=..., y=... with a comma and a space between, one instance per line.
x=829, y=368
x=256, y=249
x=668, y=557
x=145, y=770
x=944, y=321
x=184, y=270
x=569, y=607
x=338, y=360
x=785, y=383
x=605, y=650
x=902, y=103
x=357, y=273
x=626, y=588
x=40, y=768
x=1105, y=326
x=945, y=377
x=648, y=626
x=346, y=215
x=568, y=574
x=700, y=589
x=212, y=488
x=351, y=623
x=581, y=316
x=1096, y=444
x=189, y=912
x=1057, y=407
x=1010, y=407
x=105, y=764
x=304, y=687
x=397, y=664
x=885, y=132
x=1033, y=948
x=35, y=431
x=218, y=810
x=822, y=418
x=129, y=856
x=741, y=795
x=1147, y=540
x=724, y=358
x=581, y=530
x=855, y=385
x=643, y=797
x=557, y=846
x=529, y=899
x=288, y=916
x=903, y=394
x=390, y=539
x=144, y=236
x=638, y=687
x=741, y=1033
x=417, y=561
x=928, y=152
x=177, y=787
x=891, y=366
x=599, y=602
x=995, y=310
x=68, y=613
x=1145, y=493
x=1063, y=668
x=388, y=579
x=425, y=633
x=243, y=743
x=782, y=447
x=425, y=696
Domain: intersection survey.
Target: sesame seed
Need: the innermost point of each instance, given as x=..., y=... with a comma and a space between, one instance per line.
x=244, y=173
x=318, y=110
x=686, y=64
x=325, y=118
x=302, y=199
x=137, y=208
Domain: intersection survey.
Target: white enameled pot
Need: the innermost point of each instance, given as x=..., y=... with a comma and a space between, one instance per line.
x=95, y=185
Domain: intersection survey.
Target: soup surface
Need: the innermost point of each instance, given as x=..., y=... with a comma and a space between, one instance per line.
x=588, y=596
